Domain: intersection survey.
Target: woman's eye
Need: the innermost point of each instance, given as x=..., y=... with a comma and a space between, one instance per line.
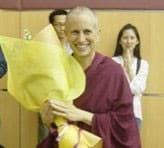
x=87, y=31
x=74, y=32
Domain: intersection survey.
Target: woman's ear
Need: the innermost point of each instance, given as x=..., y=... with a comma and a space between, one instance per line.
x=138, y=42
x=119, y=42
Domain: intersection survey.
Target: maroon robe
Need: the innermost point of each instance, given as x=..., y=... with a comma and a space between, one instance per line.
x=108, y=96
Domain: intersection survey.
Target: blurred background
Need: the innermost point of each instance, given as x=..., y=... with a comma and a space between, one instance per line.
x=19, y=126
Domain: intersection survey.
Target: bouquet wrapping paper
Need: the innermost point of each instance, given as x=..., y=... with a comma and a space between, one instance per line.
x=40, y=69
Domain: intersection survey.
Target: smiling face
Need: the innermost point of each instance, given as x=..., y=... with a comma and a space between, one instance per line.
x=82, y=34
x=128, y=40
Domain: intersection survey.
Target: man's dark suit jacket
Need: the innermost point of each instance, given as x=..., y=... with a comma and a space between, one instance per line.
x=3, y=64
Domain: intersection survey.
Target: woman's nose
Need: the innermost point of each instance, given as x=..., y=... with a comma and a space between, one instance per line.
x=81, y=37
x=62, y=27
x=129, y=40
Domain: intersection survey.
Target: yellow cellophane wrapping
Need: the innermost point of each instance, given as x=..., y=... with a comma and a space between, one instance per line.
x=39, y=70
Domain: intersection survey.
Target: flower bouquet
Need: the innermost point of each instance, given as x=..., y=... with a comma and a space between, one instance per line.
x=39, y=69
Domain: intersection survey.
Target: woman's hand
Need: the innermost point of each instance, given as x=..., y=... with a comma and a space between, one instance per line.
x=70, y=112
x=128, y=57
x=53, y=108
x=127, y=65
x=46, y=113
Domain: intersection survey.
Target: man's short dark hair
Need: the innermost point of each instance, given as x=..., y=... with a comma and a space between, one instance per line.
x=56, y=12
x=1, y=146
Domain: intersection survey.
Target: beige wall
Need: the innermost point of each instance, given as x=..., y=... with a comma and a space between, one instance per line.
x=19, y=127
x=153, y=122
x=9, y=108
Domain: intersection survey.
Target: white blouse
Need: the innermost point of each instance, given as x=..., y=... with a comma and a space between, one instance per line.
x=138, y=84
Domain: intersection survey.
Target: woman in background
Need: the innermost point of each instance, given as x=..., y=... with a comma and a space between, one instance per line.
x=127, y=53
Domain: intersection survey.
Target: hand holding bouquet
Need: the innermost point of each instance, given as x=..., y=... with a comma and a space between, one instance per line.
x=40, y=69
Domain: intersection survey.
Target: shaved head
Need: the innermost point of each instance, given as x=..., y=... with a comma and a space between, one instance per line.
x=82, y=31
x=82, y=12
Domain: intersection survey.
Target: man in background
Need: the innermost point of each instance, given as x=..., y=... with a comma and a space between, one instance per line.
x=58, y=19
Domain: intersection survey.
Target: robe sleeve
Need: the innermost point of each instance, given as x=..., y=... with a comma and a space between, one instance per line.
x=118, y=126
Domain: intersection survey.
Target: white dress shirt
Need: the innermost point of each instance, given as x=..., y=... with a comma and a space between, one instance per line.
x=138, y=84
x=68, y=49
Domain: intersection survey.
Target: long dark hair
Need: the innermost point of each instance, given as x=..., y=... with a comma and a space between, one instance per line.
x=136, y=52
